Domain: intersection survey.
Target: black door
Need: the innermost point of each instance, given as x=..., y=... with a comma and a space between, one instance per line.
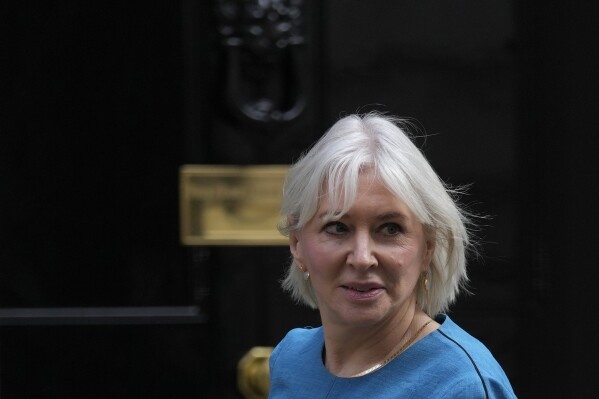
x=452, y=68
x=99, y=298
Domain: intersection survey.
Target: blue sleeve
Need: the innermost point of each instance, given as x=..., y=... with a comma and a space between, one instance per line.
x=499, y=390
x=469, y=388
x=274, y=356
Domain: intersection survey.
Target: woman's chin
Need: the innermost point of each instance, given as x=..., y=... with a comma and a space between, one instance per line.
x=361, y=317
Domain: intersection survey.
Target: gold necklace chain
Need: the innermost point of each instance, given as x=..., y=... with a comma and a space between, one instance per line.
x=394, y=355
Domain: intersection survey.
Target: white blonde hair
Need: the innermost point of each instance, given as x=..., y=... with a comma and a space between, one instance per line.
x=382, y=143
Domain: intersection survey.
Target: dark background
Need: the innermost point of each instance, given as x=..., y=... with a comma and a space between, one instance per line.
x=103, y=102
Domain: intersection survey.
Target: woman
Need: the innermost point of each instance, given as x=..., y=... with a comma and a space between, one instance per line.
x=378, y=247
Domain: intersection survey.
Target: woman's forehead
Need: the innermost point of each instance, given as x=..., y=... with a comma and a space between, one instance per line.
x=341, y=199
x=366, y=176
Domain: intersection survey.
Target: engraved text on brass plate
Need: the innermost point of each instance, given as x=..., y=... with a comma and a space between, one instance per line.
x=231, y=205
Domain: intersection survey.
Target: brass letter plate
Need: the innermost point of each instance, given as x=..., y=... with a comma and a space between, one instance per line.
x=231, y=205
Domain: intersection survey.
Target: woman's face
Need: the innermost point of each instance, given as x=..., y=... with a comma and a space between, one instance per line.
x=365, y=266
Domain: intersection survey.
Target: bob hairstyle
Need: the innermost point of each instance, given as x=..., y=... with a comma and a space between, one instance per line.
x=332, y=167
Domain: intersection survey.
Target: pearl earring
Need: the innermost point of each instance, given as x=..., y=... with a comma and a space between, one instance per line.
x=306, y=276
x=306, y=273
x=426, y=282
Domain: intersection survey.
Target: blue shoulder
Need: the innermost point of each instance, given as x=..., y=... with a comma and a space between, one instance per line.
x=297, y=341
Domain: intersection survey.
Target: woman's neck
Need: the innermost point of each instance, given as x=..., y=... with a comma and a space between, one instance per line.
x=349, y=351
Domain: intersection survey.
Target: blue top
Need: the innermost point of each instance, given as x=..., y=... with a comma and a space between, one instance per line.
x=447, y=363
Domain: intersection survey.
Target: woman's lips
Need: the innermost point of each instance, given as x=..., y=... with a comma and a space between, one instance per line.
x=362, y=291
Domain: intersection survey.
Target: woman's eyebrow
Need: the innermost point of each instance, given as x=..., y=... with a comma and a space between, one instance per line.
x=329, y=215
x=383, y=216
x=392, y=215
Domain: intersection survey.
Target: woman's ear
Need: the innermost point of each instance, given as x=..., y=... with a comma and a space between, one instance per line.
x=294, y=243
x=431, y=243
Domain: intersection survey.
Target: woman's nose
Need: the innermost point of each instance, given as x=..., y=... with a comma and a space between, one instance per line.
x=361, y=255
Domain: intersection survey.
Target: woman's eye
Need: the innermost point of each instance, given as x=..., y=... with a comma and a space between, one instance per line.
x=335, y=228
x=391, y=229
